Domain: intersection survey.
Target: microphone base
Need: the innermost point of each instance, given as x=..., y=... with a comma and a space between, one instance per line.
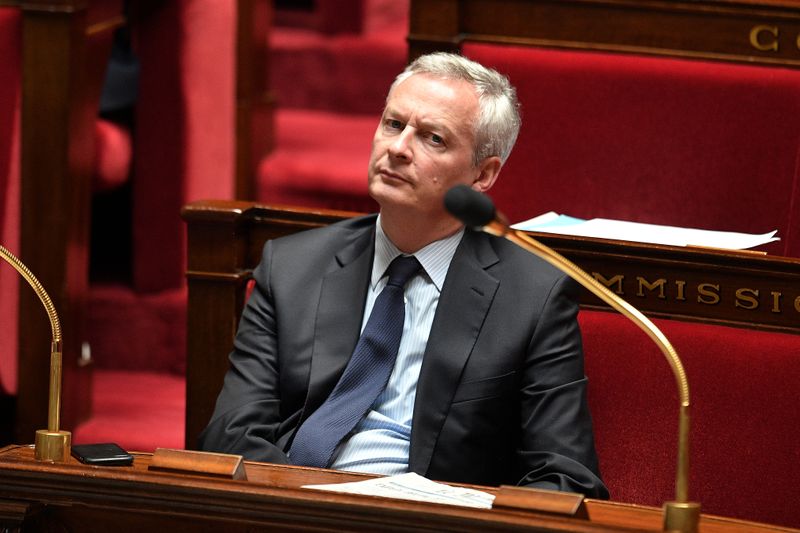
x=682, y=516
x=52, y=446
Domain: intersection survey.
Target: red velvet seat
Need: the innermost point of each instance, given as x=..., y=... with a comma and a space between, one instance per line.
x=744, y=386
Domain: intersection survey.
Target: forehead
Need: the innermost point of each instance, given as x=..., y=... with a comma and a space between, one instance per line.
x=435, y=99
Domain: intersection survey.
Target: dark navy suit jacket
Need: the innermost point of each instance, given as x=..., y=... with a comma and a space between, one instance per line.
x=501, y=397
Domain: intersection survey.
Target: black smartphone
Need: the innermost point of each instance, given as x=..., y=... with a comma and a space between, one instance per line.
x=104, y=454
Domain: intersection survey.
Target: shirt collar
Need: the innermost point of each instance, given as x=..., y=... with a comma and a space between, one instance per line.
x=435, y=257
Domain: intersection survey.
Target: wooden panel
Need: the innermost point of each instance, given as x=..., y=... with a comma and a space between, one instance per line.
x=730, y=288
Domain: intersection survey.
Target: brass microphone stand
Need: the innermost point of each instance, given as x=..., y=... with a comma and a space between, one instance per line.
x=475, y=209
x=51, y=444
x=681, y=514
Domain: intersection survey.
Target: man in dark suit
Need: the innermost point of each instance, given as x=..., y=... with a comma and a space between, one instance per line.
x=488, y=384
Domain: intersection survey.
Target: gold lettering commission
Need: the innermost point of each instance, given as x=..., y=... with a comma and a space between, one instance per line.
x=745, y=298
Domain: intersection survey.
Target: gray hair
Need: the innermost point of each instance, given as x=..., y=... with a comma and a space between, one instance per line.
x=499, y=117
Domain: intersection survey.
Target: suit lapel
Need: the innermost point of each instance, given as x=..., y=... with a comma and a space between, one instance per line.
x=466, y=296
x=336, y=330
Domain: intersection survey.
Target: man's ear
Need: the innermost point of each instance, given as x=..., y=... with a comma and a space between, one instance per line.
x=489, y=169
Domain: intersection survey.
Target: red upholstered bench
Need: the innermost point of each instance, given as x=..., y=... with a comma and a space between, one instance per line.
x=744, y=457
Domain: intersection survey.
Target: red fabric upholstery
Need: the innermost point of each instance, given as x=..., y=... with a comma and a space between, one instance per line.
x=337, y=16
x=10, y=47
x=132, y=331
x=344, y=73
x=185, y=128
x=320, y=160
x=744, y=387
x=665, y=141
x=348, y=16
x=119, y=416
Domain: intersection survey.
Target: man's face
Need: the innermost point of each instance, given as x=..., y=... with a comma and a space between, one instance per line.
x=424, y=144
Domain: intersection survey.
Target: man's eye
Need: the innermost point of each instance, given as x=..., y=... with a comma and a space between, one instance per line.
x=394, y=124
x=436, y=139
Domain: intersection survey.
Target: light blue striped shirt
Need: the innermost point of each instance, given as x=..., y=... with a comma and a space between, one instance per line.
x=380, y=443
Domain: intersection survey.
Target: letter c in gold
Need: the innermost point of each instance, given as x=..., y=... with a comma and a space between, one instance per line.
x=770, y=45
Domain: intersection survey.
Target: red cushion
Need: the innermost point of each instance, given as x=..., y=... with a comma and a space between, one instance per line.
x=665, y=141
x=744, y=387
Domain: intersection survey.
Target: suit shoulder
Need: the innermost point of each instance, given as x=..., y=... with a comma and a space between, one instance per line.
x=333, y=235
x=515, y=256
x=527, y=273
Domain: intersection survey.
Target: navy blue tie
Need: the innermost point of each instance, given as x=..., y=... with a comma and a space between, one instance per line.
x=365, y=376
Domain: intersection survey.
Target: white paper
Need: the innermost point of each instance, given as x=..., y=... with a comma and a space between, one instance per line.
x=412, y=486
x=647, y=233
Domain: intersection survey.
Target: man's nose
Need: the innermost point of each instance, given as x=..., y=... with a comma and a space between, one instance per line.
x=401, y=145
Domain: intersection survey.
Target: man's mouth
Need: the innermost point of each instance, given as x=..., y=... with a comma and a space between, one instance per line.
x=392, y=175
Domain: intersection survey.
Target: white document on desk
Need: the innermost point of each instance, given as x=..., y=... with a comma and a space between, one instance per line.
x=648, y=233
x=412, y=486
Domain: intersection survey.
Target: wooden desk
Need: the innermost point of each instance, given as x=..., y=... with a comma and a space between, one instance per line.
x=75, y=497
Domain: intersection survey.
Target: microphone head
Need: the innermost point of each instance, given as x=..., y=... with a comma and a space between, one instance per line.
x=469, y=206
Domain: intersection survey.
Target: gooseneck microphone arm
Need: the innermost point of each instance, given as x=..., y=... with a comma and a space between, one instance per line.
x=51, y=444
x=477, y=211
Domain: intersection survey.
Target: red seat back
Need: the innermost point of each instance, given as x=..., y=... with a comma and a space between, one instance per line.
x=650, y=139
x=744, y=386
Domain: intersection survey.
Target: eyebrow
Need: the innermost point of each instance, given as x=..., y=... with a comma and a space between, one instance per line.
x=424, y=124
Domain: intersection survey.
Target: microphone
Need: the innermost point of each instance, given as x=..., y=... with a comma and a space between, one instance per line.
x=51, y=444
x=469, y=206
x=477, y=211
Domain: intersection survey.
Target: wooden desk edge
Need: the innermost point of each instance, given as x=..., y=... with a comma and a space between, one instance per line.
x=283, y=484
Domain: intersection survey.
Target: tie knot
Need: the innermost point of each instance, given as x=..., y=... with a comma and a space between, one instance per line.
x=402, y=269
